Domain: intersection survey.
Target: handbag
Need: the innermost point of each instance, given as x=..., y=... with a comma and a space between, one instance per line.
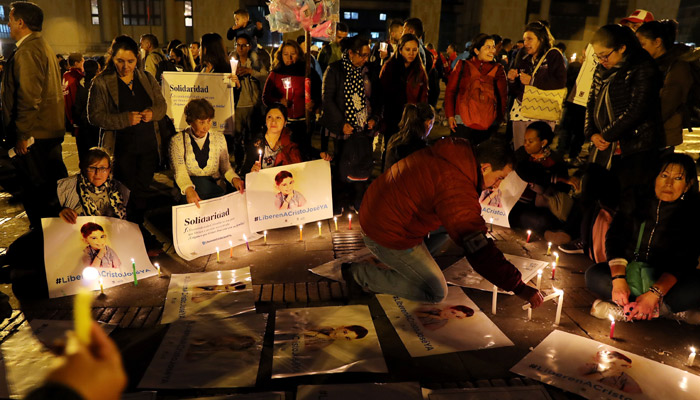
x=540, y=104
x=356, y=160
x=640, y=275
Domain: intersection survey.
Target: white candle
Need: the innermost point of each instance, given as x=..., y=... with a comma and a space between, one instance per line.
x=491, y=227
x=554, y=295
x=383, y=46
x=265, y=237
x=539, y=279
x=494, y=299
x=234, y=65
x=157, y=268
x=287, y=82
x=82, y=306
x=691, y=357
x=557, y=320
x=260, y=157
x=529, y=314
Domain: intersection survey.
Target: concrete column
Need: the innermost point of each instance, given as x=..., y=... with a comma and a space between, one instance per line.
x=505, y=17
x=544, y=9
x=604, y=12
x=429, y=12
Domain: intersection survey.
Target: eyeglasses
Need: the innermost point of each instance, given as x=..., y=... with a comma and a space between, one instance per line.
x=242, y=45
x=96, y=170
x=603, y=58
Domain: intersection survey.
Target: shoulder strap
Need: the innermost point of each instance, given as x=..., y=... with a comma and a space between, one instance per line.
x=639, y=239
x=542, y=60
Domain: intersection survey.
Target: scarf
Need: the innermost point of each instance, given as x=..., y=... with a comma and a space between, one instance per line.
x=354, y=94
x=89, y=207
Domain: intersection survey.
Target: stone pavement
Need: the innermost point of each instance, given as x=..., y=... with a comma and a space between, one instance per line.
x=281, y=280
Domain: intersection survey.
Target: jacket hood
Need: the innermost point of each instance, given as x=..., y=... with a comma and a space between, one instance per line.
x=460, y=153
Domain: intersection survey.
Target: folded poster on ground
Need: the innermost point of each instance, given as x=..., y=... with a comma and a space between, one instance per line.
x=208, y=353
x=462, y=274
x=220, y=222
x=597, y=371
x=533, y=392
x=365, y=391
x=456, y=324
x=217, y=294
x=291, y=195
x=324, y=340
x=107, y=244
x=331, y=269
x=498, y=202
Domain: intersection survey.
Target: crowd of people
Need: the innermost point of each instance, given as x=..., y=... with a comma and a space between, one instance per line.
x=631, y=205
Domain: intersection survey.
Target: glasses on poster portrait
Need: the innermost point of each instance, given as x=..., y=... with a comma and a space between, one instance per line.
x=98, y=170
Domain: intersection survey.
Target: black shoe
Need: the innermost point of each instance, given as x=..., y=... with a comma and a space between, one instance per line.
x=573, y=247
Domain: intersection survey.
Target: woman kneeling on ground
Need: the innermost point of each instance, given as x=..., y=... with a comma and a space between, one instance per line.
x=659, y=231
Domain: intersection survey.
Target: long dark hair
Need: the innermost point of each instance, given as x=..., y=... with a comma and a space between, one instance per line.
x=416, y=68
x=91, y=67
x=541, y=30
x=213, y=52
x=412, y=125
x=278, y=62
x=354, y=43
x=614, y=36
x=666, y=29
x=121, y=42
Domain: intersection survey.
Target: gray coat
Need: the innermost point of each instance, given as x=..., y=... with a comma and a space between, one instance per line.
x=32, y=95
x=68, y=197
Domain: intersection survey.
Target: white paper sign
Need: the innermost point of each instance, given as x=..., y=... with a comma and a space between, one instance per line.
x=497, y=203
x=325, y=340
x=289, y=195
x=365, y=391
x=533, y=392
x=220, y=353
x=107, y=244
x=584, y=81
x=181, y=87
x=462, y=274
x=217, y=294
x=597, y=371
x=456, y=324
x=199, y=231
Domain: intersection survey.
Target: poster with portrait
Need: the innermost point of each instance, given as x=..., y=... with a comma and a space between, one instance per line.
x=181, y=87
x=462, y=274
x=365, y=391
x=290, y=195
x=215, y=294
x=497, y=203
x=530, y=392
x=455, y=324
x=220, y=222
x=325, y=340
x=598, y=371
x=208, y=353
x=108, y=244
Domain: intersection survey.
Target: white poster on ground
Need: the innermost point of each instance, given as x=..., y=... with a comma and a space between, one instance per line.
x=220, y=222
x=215, y=294
x=325, y=340
x=290, y=195
x=497, y=203
x=107, y=244
x=455, y=324
x=208, y=353
x=597, y=371
x=181, y=87
x=532, y=392
x=365, y=391
x=462, y=274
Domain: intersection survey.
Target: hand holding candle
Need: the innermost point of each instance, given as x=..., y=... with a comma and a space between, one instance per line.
x=234, y=65
x=82, y=307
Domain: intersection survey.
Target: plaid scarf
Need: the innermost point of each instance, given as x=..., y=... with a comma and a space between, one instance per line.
x=89, y=207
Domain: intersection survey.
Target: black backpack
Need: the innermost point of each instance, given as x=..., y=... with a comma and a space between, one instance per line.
x=164, y=65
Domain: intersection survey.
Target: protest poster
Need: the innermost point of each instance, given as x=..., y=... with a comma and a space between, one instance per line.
x=208, y=353
x=598, y=371
x=181, y=87
x=497, y=203
x=531, y=392
x=290, y=195
x=331, y=269
x=325, y=340
x=455, y=324
x=462, y=274
x=219, y=222
x=365, y=391
x=584, y=80
x=218, y=294
x=108, y=244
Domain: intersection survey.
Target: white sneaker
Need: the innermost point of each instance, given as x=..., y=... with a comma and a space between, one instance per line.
x=603, y=309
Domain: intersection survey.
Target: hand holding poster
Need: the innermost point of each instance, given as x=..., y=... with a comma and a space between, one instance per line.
x=289, y=195
x=199, y=231
x=108, y=244
x=497, y=203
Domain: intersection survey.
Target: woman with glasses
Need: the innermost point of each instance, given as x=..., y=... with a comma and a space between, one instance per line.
x=550, y=75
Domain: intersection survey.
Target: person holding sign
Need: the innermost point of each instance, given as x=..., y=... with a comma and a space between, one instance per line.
x=199, y=158
x=433, y=187
x=276, y=147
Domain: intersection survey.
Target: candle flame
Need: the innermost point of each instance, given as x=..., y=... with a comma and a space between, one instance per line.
x=554, y=265
x=349, y=216
x=319, y=224
x=556, y=254
x=529, y=231
x=217, y=249
x=265, y=233
x=692, y=350
x=301, y=227
x=246, y=238
x=335, y=218
x=90, y=273
x=539, y=272
x=612, y=319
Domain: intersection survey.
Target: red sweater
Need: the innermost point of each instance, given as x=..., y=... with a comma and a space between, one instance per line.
x=456, y=98
x=70, y=90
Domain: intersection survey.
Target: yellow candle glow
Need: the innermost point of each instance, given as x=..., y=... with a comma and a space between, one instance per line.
x=82, y=307
x=335, y=221
x=549, y=248
x=102, y=288
x=265, y=237
x=230, y=249
x=217, y=255
x=301, y=232
x=157, y=268
x=349, y=221
x=319, y=229
x=556, y=257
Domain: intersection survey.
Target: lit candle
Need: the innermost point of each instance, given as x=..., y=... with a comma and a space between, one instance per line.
x=102, y=288
x=319, y=229
x=230, y=249
x=234, y=65
x=260, y=157
x=549, y=248
x=157, y=268
x=529, y=313
x=287, y=82
x=691, y=357
x=335, y=221
x=301, y=232
x=349, y=221
x=494, y=299
x=265, y=237
x=383, y=46
x=547, y=298
x=612, y=326
x=539, y=278
x=573, y=57
x=247, y=245
x=491, y=228
x=554, y=268
x=217, y=255
x=556, y=257
x=82, y=307
x=529, y=233
x=557, y=320
x=133, y=266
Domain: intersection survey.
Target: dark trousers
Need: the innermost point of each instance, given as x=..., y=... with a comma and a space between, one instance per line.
x=302, y=138
x=135, y=169
x=206, y=187
x=684, y=295
x=474, y=136
x=571, y=136
x=528, y=216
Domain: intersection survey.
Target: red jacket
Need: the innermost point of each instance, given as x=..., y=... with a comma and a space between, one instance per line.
x=456, y=98
x=433, y=187
x=274, y=90
x=70, y=89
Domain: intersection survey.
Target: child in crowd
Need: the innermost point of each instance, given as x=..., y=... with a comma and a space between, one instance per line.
x=243, y=24
x=97, y=254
